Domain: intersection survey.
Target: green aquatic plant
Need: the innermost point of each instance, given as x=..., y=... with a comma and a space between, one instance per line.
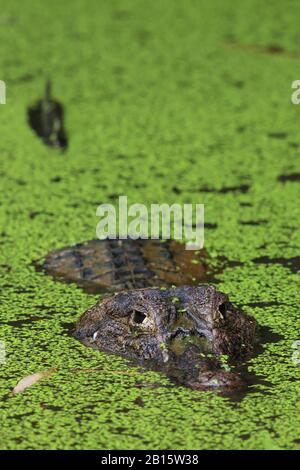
x=156, y=97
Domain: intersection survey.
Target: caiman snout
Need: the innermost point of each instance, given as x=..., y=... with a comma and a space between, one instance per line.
x=184, y=332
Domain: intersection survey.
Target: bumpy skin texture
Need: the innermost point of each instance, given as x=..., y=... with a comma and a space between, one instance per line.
x=185, y=332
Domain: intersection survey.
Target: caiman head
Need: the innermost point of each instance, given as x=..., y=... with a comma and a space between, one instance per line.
x=186, y=331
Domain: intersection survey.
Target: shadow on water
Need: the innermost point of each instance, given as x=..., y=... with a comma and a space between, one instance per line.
x=255, y=383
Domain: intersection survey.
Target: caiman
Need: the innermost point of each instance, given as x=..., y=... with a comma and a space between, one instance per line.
x=190, y=332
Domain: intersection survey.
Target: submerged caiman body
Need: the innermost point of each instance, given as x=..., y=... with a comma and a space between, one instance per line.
x=112, y=265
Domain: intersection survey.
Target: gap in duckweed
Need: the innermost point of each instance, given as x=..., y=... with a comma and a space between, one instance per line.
x=293, y=177
x=291, y=263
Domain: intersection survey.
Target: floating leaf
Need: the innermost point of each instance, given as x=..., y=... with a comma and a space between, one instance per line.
x=32, y=379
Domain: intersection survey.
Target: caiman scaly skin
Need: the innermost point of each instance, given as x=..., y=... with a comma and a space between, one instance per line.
x=113, y=265
x=185, y=332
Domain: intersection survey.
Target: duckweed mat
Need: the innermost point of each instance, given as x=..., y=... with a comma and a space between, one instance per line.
x=186, y=102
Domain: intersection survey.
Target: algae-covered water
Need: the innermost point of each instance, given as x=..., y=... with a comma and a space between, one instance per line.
x=174, y=101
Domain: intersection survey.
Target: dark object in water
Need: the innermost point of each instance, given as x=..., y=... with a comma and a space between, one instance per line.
x=184, y=332
x=289, y=177
x=110, y=265
x=291, y=263
x=46, y=119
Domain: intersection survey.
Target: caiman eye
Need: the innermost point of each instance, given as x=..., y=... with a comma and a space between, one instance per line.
x=137, y=317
